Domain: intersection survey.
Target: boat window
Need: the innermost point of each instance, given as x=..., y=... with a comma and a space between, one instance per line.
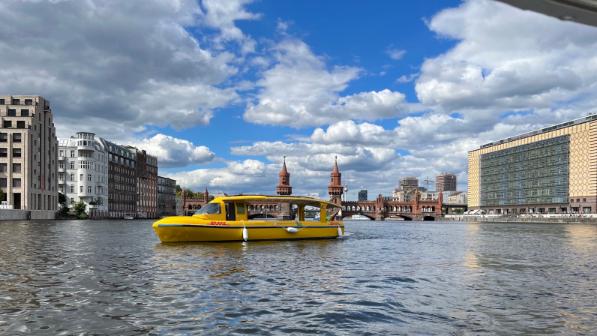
x=209, y=209
x=312, y=213
x=240, y=208
x=333, y=213
x=230, y=214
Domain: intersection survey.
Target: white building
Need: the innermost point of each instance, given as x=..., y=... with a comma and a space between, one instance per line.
x=83, y=172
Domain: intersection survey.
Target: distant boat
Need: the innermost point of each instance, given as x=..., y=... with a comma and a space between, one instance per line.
x=359, y=217
x=128, y=217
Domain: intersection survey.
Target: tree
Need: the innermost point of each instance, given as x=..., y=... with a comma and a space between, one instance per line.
x=80, y=208
x=62, y=199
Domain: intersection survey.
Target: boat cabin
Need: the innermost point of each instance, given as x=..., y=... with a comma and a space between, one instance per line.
x=263, y=208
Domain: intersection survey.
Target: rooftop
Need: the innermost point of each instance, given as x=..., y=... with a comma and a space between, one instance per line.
x=543, y=130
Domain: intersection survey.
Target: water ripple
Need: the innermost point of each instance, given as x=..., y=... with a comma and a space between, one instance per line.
x=110, y=277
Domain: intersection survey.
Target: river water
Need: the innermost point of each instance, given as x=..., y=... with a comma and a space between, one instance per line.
x=385, y=278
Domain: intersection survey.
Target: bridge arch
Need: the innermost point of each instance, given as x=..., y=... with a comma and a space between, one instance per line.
x=347, y=216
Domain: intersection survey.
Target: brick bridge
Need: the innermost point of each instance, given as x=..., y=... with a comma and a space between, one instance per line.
x=380, y=209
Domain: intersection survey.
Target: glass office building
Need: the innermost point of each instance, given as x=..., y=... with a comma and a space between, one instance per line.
x=553, y=170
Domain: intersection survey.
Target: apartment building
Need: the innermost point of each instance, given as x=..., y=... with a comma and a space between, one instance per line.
x=166, y=196
x=83, y=172
x=146, y=177
x=28, y=154
x=122, y=182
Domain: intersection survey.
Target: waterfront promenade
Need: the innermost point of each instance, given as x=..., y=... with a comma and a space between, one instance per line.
x=433, y=278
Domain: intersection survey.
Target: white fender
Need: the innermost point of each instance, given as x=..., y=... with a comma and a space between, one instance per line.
x=245, y=234
x=291, y=230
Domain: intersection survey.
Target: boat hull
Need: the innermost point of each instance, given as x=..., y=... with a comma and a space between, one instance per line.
x=189, y=232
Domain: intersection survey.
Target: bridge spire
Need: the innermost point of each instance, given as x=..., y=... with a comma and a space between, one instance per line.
x=335, y=188
x=283, y=188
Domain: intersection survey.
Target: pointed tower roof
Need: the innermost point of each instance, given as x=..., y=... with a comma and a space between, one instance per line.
x=283, y=187
x=284, y=171
x=335, y=170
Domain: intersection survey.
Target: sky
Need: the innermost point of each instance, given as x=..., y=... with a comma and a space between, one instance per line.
x=220, y=91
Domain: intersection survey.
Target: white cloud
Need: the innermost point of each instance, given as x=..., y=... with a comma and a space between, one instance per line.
x=174, y=152
x=300, y=90
x=507, y=58
x=395, y=54
x=116, y=65
x=222, y=16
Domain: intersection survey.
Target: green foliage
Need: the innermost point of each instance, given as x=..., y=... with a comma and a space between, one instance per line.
x=63, y=211
x=62, y=199
x=79, y=209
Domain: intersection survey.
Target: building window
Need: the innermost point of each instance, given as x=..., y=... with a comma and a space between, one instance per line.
x=16, y=182
x=16, y=167
x=89, y=177
x=81, y=189
x=72, y=200
x=12, y=113
x=3, y=167
x=81, y=177
x=7, y=124
x=2, y=102
x=20, y=124
x=61, y=165
x=72, y=153
x=3, y=182
x=72, y=165
x=24, y=113
x=16, y=152
x=88, y=189
x=72, y=189
x=16, y=102
x=61, y=153
x=28, y=101
x=72, y=177
x=3, y=137
x=16, y=137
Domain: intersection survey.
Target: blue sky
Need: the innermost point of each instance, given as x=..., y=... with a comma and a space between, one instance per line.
x=221, y=90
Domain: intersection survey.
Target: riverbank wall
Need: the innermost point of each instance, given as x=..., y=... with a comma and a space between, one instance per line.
x=11, y=214
x=584, y=219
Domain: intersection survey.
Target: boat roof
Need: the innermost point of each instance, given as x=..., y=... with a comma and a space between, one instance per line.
x=268, y=198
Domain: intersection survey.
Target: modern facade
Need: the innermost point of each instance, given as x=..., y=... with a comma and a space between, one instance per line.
x=83, y=172
x=122, y=182
x=552, y=170
x=166, y=196
x=146, y=176
x=28, y=154
x=445, y=182
x=362, y=195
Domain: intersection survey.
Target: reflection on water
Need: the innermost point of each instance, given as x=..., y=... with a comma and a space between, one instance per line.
x=109, y=277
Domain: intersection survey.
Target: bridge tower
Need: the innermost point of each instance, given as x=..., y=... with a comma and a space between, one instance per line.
x=283, y=188
x=335, y=188
x=206, y=196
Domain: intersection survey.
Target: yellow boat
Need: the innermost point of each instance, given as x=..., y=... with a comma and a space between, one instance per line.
x=254, y=217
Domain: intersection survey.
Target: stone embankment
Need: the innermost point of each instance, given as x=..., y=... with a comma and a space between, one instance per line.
x=10, y=214
x=559, y=218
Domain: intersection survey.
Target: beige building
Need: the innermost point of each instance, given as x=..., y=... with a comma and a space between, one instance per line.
x=28, y=154
x=552, y=170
